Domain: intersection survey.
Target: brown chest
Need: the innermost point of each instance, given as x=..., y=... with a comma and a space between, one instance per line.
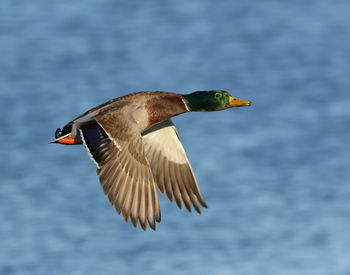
x=163, y=107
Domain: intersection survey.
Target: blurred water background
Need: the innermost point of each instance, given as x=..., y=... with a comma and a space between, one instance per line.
x=276, y=175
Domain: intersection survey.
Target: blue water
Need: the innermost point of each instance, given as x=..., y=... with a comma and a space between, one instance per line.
x=276, y=175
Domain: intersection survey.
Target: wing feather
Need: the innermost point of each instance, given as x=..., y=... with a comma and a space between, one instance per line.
x=170, y=166
x=116, y=147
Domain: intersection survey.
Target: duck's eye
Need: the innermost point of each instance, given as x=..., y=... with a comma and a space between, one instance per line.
x=218, y=95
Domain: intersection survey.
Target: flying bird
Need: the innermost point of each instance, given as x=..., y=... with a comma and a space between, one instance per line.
x=136, y=147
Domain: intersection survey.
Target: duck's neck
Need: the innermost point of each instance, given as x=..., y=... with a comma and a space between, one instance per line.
x=164, y=106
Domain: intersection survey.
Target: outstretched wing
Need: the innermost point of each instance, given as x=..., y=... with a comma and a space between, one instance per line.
x=117, y=149
x=170, y=166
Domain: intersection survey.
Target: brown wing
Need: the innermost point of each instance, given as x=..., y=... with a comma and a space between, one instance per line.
x=170, y=166
x=117, y=149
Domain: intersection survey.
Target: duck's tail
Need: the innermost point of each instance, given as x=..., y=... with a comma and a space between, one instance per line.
x=65, y=137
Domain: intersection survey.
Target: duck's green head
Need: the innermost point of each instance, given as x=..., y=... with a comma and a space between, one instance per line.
x=206, y=101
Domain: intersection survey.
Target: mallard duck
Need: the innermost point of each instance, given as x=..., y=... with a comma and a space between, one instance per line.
x=136, y=147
